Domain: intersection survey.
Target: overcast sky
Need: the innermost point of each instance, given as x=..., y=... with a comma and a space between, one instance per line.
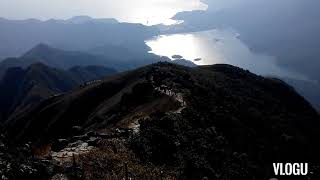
x=154, y=11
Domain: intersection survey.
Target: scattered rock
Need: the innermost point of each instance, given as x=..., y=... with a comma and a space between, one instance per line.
x=60, y=177
x=93, y=141
x=66, y=155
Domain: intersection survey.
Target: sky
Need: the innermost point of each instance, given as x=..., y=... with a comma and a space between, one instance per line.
x=136, y=11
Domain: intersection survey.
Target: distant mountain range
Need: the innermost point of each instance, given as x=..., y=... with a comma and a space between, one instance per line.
x=88, y=19
x=59, y=58
x=81, y=33
x=52, y=57
x=109, y=56
x=73, y=20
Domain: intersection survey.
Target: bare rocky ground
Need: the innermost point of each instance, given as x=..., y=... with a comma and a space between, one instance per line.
x=100, y=148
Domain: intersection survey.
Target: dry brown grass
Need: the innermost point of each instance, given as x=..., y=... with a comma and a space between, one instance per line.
x=108, y=163
x=42, y=152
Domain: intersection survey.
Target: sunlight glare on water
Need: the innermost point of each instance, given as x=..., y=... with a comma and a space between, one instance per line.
x=217, y=47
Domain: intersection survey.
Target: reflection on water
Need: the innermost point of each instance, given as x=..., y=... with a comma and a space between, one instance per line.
x=217, y=46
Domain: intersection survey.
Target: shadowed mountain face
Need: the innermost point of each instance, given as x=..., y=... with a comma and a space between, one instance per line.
x=22, y=89
x=59, y=58
x=214, y=121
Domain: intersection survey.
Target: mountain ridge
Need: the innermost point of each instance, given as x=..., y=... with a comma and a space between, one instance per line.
x=214, y=121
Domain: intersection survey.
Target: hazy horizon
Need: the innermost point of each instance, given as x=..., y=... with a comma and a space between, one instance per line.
x=147, y=12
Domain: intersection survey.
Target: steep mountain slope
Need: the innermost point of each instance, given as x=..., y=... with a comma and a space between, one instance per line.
x=211, y=122
x=12, y=62
x=21, y=89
